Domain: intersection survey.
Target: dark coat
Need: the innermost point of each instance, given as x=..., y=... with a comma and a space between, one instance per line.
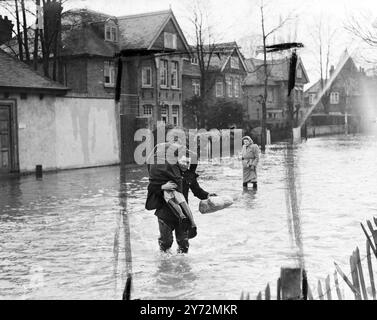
x=155, y=198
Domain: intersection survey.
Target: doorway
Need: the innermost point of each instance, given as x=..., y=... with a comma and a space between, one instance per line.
x=7, y=139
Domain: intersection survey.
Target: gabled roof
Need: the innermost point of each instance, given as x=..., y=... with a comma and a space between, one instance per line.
x=140, y=31
x=278, y=69
x=220, y=54
x=345, y=64
x=15, y=74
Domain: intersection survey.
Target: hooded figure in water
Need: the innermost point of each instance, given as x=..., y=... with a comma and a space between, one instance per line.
x=250, y=160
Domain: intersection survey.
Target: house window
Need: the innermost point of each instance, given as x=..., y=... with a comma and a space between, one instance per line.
x=237, y=88
x=164, y=73
x=147, y=110
x=229, y=84
x=111, y=33
x=270, y=95
x=311, y=98
x=234, y=63
x=196, y=87
x=299, y=73
x=170, y=40
x=109, y=73
x=165, y=114
x=147, y=77
x=194, y=61
x=174, y=74
x=334, y=97
x=219, y=88
x=175, y=115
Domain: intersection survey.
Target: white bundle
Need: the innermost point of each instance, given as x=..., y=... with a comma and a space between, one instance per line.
x=214, y=204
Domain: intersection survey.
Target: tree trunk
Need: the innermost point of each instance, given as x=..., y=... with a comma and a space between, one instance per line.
x=19, y=36
x=36, y=37
x=26, y=36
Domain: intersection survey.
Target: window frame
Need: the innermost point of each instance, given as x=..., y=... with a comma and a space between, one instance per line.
x=195, y=83
x=144, y=76
x=237, y=88
x=194, y=61
x=219, y=82
x=109, y=66
x=229, y=88
x=110, y=28
x=150, y=108
x=233, y=63
x=299, y=73
x=174, y=71
x=311, y=98
x=164, y=72
x=173, y=39
x=334, y=97
x=175, y=116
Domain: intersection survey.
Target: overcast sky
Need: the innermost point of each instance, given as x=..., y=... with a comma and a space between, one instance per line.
x=239, y=20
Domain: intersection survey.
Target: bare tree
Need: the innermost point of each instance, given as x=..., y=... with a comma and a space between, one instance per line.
x=323, y=36
x=266, y=34
x=363, y=27
x=29, y=39
x=203, y=50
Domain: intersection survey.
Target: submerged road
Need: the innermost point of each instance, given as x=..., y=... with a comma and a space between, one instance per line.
x=63, y=237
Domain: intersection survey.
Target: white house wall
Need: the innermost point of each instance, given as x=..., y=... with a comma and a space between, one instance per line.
x=67, y=133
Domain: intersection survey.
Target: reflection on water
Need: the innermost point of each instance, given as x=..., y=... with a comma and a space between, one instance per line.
x=65, y=238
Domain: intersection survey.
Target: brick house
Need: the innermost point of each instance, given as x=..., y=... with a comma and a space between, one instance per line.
x=153, y=78
x=350, y=91
x=344, y=90
x=224, y=76
x=277, y=97
x=89, y=42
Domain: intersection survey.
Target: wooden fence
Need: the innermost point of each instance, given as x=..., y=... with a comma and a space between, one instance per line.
x=293, y=284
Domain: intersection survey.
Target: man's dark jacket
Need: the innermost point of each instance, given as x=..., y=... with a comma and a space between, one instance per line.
x=155, y=198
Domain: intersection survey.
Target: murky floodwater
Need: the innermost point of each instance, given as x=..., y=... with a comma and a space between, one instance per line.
x=57, y=235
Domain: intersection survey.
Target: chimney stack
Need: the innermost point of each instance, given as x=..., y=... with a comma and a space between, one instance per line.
x=6, y=29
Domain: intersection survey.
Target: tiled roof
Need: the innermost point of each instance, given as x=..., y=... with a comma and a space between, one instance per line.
x=220, y=53
x=83, y=33
x=277, y=69
x=86, y=41
x=16, y=74
x=138, y=31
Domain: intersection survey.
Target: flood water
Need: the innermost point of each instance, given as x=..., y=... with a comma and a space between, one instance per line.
x=57, y=235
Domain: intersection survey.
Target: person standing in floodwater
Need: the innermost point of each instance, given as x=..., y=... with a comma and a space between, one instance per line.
x=250, y=160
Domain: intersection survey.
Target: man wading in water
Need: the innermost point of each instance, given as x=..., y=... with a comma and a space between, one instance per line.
x=167, y=220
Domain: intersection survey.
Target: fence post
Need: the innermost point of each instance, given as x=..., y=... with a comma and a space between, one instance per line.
x=370, y=269
x=291, y=280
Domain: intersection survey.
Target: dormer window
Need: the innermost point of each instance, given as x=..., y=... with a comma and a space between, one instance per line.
x=170, y=40
x=299, y=73
x=234, y=63
x=111, y=33
x=194, y=60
